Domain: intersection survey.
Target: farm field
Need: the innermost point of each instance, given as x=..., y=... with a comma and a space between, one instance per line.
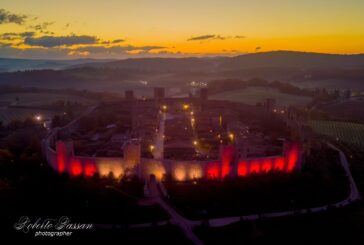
x=350, y=110
x=36, y=99
x=9, y=114
x=331, y=84
x=350, y=133
x=253, y=95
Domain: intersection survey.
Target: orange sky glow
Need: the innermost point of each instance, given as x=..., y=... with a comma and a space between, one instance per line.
x=122, y=29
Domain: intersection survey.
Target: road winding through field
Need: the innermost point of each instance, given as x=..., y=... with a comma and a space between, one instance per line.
x=187, y=225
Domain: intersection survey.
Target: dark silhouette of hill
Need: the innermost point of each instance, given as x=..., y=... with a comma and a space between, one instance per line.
x=274, y=59
x=287, y=59
x=313, y=69
x=161, y=64
x=9, y=65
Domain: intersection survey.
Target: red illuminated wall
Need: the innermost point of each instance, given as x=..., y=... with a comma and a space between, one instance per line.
x=213, y=170
x=285, y=163
x=292, y=157
x=288, y=162
x=90, y=168
x=61, y=155
x=227, y=166
x=267, y=165
x=243, y=168
x=227, y=158
x=73, y=165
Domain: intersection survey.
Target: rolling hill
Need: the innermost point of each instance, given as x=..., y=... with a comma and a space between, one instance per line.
x=10, y=65
x=274, y=59
x=303, y=69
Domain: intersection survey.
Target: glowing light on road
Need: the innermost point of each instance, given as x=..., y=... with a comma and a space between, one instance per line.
x=231, y=136
x=193, y=121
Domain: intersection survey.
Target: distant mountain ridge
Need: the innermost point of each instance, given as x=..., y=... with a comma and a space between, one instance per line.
x=10, y=64
x=303, y=69
x=294, y=59
x=273, y=59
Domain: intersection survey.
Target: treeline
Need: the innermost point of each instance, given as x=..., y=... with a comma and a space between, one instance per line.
x=21, y=140
x=6, y=89
x=218, y=86
x=69, y=78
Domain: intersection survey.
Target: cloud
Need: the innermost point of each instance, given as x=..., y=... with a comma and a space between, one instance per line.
x=9, y=36
x=213, y=37
x=258, y=48
x=93, y=51
x=14, y=35
x=203, y=37
x=231, y=51
x=55, y=41
x=42, y=27
x=166, y=53
x=27, y=34
x=33, y=53
x=2, y=44
x=66, y=26
x=146, y=48
x=7, y=17
x=118, y=41
x=117, y=49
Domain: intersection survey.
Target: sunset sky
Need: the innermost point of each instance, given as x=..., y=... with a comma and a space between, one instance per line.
x=68, y=29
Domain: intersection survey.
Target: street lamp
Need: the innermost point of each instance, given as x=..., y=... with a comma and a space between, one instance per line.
x=38, y=118
x=231, y=136
x=186, y=107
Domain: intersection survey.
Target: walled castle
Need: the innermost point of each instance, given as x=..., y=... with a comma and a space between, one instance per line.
x=61, y=156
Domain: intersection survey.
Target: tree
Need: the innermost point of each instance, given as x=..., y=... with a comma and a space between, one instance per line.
x=5, y=154
x=56, y=121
